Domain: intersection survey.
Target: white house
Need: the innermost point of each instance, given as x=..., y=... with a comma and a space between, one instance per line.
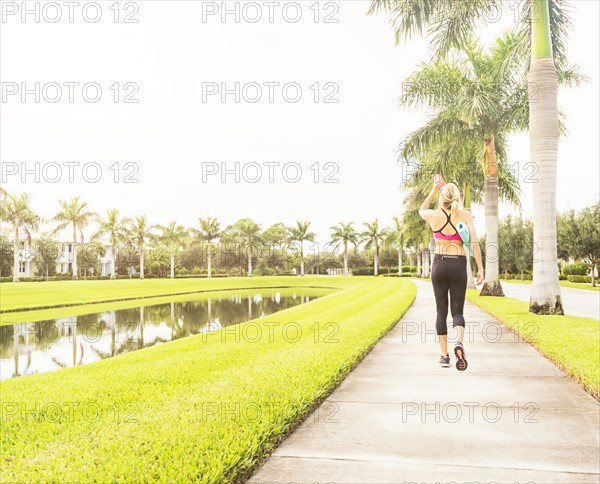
x=28, y=267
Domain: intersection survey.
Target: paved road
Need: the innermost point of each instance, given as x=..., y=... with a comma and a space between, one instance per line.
x=578, y=302
x=398, y=417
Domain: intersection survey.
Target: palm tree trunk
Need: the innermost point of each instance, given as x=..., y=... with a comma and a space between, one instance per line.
x=16, y=252
x=113, y=253
x=492, y=286
x=142, y=262
x=419, y=256
x=301, y=258
x=74, y=262
x=249, y=262
x=400, y=261
x=172, y=263
x=543, y=141
x=209, y=262
x=346, y=260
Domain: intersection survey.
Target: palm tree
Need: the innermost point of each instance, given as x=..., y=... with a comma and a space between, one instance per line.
x=373, y=236
x=115, y=229
x=542, y=27
x=141, y=232
x=344, y=234
x=210, y=230
x=416, y=235
x=396, y=237
x=174, y=236
x=247, y=233
x=300, y=233
x=73, y=212
x=16, y=210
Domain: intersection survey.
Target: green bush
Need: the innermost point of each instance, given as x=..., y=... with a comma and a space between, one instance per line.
x=578, y=278
x=368, y=271
x=577, y=269
x=362, y=271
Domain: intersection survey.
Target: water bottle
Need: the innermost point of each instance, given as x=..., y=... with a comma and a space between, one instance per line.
x=439, y=182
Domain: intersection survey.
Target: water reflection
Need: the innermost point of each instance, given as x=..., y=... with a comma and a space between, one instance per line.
x=29, y=348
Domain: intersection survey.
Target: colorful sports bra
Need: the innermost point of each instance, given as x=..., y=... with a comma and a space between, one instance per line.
x=438, y=233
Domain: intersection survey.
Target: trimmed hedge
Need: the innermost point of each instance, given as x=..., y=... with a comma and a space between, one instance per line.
x=518, y=277
x=383, y=270
x=577, y=278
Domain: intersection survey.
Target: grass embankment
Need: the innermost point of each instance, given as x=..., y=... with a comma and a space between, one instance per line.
x=207, y=408
x=574, y=285
x=570, y=342
x=44, y=295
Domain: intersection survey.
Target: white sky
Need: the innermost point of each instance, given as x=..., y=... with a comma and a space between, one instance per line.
x=170, y=133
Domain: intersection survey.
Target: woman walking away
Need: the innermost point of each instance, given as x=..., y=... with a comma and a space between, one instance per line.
x=449, y=272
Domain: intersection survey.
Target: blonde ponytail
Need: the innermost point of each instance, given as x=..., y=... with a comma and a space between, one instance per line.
x=454, y=208
x=450, y=198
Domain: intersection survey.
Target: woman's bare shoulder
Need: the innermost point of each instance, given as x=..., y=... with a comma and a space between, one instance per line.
x=465, y=215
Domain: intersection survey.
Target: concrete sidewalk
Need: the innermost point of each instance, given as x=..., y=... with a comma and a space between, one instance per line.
x=512, y=416
x=577, y=302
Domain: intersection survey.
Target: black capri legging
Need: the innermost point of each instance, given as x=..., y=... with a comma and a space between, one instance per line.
x=449, y=273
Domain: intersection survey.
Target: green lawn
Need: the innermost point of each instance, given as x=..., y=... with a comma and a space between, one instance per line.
x=574, y=285
x=207, y=408
x=570, y=342
x=43, y=295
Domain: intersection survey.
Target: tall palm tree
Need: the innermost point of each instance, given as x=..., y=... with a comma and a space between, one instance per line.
x=300, y=233
x=114, y=229
x=141, y=232
x=173, y=236
x=247, y=233
x=16, y=210
x=210, y=230
x=416, y=235
x=396, y=238
x=542, y=27
x=373, y=235
x=344, y=234
x=75, y=213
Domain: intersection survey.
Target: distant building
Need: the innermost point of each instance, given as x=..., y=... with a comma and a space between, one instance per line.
x=64, y=262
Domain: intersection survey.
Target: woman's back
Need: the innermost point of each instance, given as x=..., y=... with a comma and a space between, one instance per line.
x=444, y=226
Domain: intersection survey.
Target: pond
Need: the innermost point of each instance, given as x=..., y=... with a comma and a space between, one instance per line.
x=38, y=347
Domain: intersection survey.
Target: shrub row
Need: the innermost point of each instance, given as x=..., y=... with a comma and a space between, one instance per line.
x=578, y=278
x=519, y=277
x=368, y=271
